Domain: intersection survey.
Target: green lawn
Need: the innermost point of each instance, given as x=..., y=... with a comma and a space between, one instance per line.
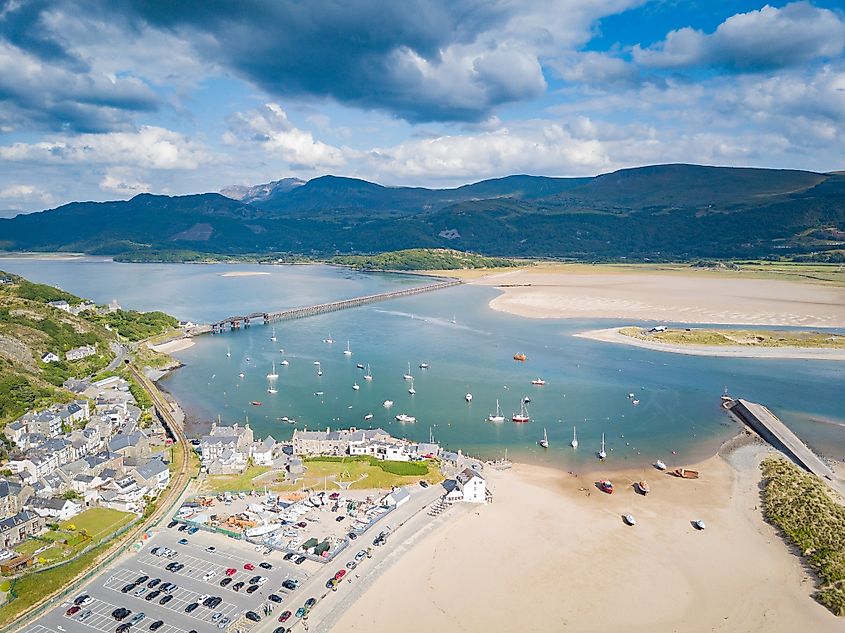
x=222, y=483
x=98, y=522
x=362, y=474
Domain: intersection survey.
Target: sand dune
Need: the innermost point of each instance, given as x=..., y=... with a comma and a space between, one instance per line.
x=670, y=297
x=546, y=556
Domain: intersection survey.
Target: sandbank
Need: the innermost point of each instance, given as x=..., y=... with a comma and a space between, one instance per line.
x=670, y=296
x=612, y=335
x=244, y=273
x=551, y=553
x=175, y=345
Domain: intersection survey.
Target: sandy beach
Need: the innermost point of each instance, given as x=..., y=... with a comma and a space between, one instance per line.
x=666, y=296
x=612, y=335
x=244, y=273
x=175, y=345
x=551, y=553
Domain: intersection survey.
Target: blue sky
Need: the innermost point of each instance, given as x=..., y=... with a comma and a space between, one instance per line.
x=112, y=98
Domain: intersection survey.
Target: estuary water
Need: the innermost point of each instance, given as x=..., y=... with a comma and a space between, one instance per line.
x=469, y=349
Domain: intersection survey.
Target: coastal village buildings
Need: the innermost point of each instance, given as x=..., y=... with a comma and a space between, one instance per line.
x=78, y=353
x=472, y=486
x=228, y=449
x=91, y=452
x=376, y=443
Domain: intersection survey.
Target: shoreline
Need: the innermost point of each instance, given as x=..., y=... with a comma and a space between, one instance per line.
x=175, y=345
x=612, y=335
x=562, y=554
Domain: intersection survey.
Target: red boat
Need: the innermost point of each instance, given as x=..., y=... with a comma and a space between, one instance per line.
x=255, y=403
x=520, y=357
x=606, y=486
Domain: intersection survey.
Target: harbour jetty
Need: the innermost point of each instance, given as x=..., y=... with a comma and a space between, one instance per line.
x=767, y=425
x=236, y=322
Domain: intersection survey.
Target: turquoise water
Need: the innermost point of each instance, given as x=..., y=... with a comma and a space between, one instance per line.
x=587, y=382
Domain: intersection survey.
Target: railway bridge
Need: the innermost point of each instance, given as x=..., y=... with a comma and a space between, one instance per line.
x=245, y=320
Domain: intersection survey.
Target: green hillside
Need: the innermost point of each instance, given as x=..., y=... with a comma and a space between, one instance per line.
x=422, y=259
x=30, y=328
x=663, y=212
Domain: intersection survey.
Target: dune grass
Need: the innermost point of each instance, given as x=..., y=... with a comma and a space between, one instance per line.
x=740, y=338
x=801, y=505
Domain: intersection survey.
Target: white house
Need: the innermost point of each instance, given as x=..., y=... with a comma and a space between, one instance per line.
x=472, y=485
x=396, y=498
x=60, y=509
x=61, y=304
x=50, y=357
x=262, y=452
x=78, y=353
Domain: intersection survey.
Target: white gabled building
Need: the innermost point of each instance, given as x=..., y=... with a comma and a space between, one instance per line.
x=472, y=485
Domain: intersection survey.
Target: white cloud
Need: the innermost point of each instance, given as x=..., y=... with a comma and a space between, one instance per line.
x=123, y=181
x=270, y=128
x=764, y=39
x=148, y=147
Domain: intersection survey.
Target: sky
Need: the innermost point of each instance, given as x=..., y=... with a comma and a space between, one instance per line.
x=106, y=99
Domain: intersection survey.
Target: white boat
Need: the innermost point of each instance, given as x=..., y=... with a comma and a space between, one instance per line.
x=574, y=442
x=468, y=397
x=522, y=416
x=635, y=401
x=368, y=375
x=602, y=452
x=699, y=524
x=285, y=362
x=630, y=520
x=387, y=404
x=347, y=351
x=360, y=366
x=453, y=319
x=538, y=381
x=320, y=372
x=273, y=375
x=405, y=418
x=545, y=441
x=369, y=416
x=228, y=353
x=659, y=465
x=355, y=386
x=424, y=365
x=408, y=376
x=630, y=395
x=241, y=375
x=261, y=530
x=411, y=389
x=271, y=388
x=329, y=340
x=496, y=417
x=316, y=362
x=273, y=337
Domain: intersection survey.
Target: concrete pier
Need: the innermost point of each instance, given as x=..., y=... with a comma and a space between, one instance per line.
x=767, y=425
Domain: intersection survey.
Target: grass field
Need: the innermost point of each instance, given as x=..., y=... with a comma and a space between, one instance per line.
x=319, y=473
x=744, y=338
x=98, y=522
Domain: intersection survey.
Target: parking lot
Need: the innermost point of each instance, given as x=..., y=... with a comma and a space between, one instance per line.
x=191, y=585
x=206, y=557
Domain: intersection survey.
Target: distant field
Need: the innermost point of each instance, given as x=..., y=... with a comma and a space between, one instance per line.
x=749, y=338
x=98, y=522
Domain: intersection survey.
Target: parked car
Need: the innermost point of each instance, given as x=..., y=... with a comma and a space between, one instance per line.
x=123, y=628
x=340, y=574
x=166, y=599
x=249, y=566
x=191, y=607
x=225, y=581
x=211, y=548
x=238, y=586
x=254, y=579
x=340, y=518
x=128, y=588
x=351, y=565
x=360, y=555
x=231, y=571
x=288, y=556
x=310, y=602
x=155, y=626
x=72, y=611
x=142, y=579
x=274, y=598
x=152, y=595
x=290, y=583
x=279, y=629
x=331, y=583
x=85, y=615
x=137, y=617
x=265, y=565
x=154, y=582
x=252, y=589
x=120, y=613
x=223, y=623
x=183, y=541
x=285, y=616
x=193, y=530
x=183, y=527
x=203, y=597
x=300, y=560
x=208, y=576
x=261, y=580
x=172, y=524
x=252, y=615
x=216, y=617
x=352, y=536
x=423, y=483
x=140, y=591
x=302, y=524
x=300, y=612
x=81, y=599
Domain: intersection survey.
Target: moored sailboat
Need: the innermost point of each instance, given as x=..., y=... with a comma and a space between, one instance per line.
x=574, y=442
x=545, y=441
x=522, y=416
x=602, y=452
x=496, y=417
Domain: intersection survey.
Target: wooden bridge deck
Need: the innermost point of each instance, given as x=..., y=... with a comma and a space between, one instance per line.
x=235, y=322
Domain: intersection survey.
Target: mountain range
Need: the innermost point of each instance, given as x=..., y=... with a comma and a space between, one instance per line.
x=655, y=212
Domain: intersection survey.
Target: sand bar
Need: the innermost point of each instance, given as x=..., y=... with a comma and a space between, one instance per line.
x=244, y=273
x=672, y=297
x=551, y=557
x=612, y=335
x=175, y=345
